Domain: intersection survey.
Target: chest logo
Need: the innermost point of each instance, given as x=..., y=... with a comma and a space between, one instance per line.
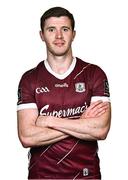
x=42, y=90
x=61, y=85
x=80, y=87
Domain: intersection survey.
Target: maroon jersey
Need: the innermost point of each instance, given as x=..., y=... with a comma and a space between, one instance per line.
x=66, y=95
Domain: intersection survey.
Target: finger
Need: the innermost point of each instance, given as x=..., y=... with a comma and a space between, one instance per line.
x=94, y=104
x=100, y=113
x=100, y=106
x=101, y=109
x=103, y=104
x=95, y=111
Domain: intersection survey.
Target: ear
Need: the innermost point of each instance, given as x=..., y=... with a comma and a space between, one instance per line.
x=74, y=34
x=41, y=35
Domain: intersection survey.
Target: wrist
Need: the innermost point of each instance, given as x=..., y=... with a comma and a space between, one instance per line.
x=54, y=122
x=42, y=121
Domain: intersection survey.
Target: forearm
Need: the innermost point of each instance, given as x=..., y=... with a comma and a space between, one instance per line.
x=76, y=134
x=92, y=125
x=78, y=128
x=37, y=136
x=89, y=128
x=61, y=124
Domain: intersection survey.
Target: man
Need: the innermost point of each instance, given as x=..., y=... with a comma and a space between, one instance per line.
x=63, y=107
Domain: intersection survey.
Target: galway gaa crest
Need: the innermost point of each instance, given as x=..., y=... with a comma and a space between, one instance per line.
x=80, y=87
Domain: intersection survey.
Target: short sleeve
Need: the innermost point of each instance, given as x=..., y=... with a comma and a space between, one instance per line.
x=100, y=86
x=26, y=95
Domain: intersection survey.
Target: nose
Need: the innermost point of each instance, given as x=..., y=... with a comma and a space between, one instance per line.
x=59, y=34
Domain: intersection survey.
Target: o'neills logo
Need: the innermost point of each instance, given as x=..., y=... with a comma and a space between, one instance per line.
x=70, y=112
x=61, y=85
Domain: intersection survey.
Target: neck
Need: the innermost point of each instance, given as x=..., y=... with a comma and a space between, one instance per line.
x=60, y=64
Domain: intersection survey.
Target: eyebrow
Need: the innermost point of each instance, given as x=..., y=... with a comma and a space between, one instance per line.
x=50, y=27
x=55, y=27
x=66, y=27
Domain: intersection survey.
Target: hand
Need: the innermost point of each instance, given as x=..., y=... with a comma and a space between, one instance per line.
x=96, y=109
x=42, y=121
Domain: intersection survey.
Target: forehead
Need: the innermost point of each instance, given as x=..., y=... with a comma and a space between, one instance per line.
x=58, y=21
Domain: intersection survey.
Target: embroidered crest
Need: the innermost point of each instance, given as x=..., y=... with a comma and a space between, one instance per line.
x=80, y=87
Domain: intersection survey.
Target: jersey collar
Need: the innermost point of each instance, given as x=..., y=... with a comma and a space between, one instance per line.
x=60, y=76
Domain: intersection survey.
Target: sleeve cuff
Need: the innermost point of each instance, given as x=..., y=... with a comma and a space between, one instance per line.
x=103, y=98
x=26, y=106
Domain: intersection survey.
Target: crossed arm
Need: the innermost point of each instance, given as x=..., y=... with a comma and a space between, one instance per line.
x=37, y=130
x=32, y=135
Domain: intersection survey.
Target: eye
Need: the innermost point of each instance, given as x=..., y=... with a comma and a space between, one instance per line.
x=65, y=29
x=51, y=29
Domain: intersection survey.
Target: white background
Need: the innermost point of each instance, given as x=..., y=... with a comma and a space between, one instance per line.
x=102, y=38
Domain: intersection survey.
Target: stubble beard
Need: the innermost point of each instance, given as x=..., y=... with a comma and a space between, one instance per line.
x=57, y=53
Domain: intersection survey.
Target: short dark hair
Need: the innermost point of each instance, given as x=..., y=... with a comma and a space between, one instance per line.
x=56, y=12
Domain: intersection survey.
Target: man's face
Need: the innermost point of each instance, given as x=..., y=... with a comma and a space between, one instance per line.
x=58, y=35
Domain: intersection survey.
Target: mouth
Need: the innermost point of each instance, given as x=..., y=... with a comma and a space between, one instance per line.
x=59, y=43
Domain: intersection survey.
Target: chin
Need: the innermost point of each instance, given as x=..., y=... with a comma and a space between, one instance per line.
x=61, y=53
